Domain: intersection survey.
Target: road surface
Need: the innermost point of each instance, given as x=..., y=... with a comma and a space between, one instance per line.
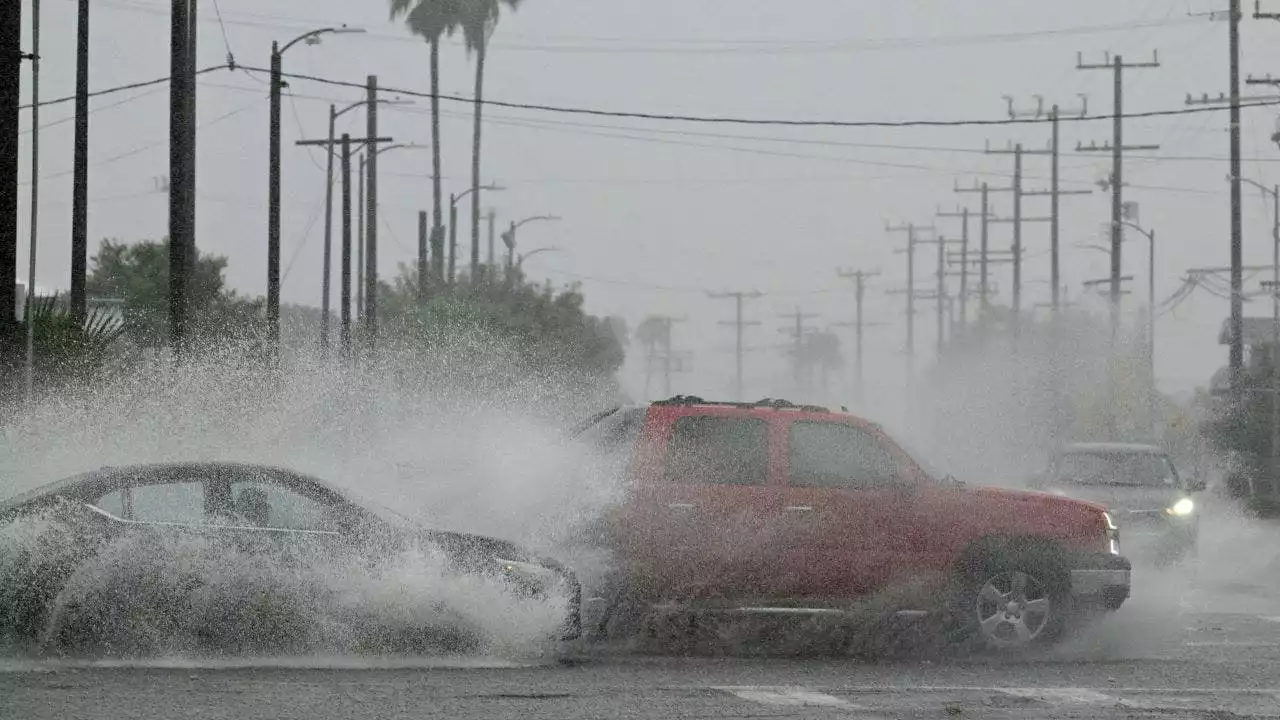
x=1169, y=654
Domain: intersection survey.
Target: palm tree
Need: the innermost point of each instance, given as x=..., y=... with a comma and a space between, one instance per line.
x=432, y=20
x=478, y=19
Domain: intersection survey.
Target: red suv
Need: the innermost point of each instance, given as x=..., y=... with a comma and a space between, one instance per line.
x=772, y=507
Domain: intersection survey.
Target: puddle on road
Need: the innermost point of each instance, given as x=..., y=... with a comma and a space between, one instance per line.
x=279, y=663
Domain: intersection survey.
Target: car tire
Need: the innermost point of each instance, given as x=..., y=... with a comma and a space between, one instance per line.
x=1010, y=596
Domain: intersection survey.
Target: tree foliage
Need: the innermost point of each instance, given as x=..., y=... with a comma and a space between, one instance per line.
x=138, y=274
x=65, y=350
x=544, y=330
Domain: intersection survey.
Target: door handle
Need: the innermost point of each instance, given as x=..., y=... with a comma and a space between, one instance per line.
x=680, y=506
x=799, y=508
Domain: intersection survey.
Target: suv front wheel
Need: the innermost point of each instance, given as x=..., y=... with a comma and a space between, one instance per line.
x=1010, y=597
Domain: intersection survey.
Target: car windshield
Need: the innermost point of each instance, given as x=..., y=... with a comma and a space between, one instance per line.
x=1114, y=468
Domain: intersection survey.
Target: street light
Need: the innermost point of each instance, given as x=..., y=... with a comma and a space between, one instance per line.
x=1274, y=193
x=453, y=229
x=509, y=237
x=273, y=179
x=548, y=249
x=334, y=114
x=1151, y=317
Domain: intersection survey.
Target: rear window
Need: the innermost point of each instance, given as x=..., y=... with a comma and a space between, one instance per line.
x=718, y=451
x=613, y=431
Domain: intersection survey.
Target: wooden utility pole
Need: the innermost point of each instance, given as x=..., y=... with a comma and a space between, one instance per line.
x=11, y=57
x=859, y=278
x=797, y=330
x=345, y=145
x=1117, y=148
x=1055, y=191
x=371, y=219
x=984, y=239
x=963, y=215
x=739, y=325
x=80, y=181
x=182, y=150
x=913, y=239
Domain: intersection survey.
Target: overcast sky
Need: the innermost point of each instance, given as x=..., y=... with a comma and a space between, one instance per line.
x=657, y=213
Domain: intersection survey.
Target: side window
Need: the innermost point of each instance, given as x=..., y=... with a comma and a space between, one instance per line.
x=169, y=502
x=112, y=502
x=719, y=451
x=268, y=505
x=833, y=455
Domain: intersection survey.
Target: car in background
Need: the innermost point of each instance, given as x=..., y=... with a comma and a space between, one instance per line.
x=265, y=509
x=772, y=508
x=1156, y=508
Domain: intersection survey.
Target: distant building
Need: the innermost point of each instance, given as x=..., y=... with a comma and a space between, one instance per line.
x=1257, y=336
x=112, y=307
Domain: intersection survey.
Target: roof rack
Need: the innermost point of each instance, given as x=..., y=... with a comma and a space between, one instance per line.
x=774, y=403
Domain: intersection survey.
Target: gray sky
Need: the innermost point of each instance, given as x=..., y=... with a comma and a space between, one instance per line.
x=655, y=213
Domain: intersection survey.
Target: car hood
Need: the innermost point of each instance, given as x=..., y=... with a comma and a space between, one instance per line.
x=1120, y=498
x=479, y=552
x=1036, y=497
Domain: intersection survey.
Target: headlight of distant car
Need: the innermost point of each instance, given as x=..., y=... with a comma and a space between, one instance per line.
x=1182, y=508
x=529, y=576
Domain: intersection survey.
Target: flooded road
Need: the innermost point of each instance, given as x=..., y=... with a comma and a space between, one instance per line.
x=1180, y=662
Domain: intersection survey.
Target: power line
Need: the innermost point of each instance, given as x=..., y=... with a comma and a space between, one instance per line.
x=122, y=88
x=670, y=117
x=575, y=43
x=782, y=122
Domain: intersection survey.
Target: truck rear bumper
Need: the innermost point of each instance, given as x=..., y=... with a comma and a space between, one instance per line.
x=1102, y=580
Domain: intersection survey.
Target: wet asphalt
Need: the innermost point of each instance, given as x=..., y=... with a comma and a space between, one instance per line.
x=1174, y=651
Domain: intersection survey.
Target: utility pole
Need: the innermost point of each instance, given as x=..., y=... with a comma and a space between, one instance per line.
x=1117, y=148
x=667, y=322
x=1237, y=256
x=80, y=170
x=371, y=221
x=346, y=247
x=361, y=174
x=423, y=230
x=1055, y=191
x=11, y=57
x=181, y=155
x=739, y=325
x=1018, y=219
x=492, y=217
x=912, y=231
x=963, y=214
x=797, y=330
x=453, y=238
x=984, y=285
x=345, y=145
x=940, y=289
x=859, y=278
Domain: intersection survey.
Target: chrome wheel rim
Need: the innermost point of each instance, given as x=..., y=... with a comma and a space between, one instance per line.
x=1013, y=609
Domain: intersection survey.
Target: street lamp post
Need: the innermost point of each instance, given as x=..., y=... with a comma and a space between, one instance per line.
x=1151, y=319
x=273, y=180
x=509, y=237
x=548, y=249
x=453, y=226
